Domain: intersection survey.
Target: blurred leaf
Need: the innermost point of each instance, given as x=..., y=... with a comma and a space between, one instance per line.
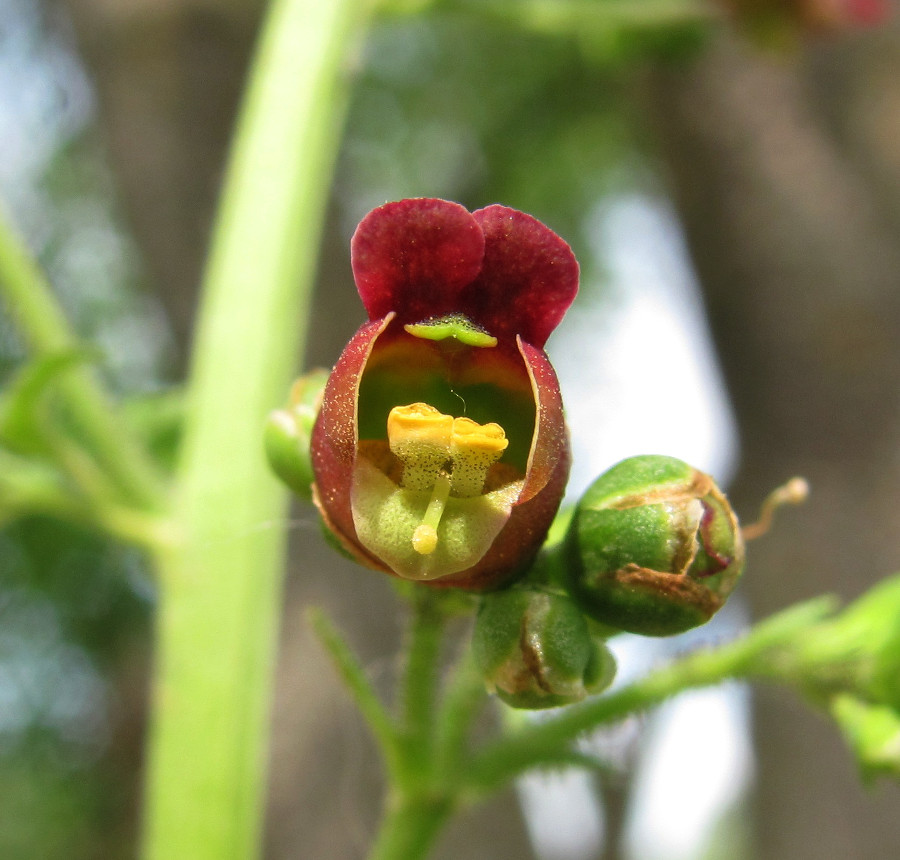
x=873, y=733
x=24, y=419
x=158, y=420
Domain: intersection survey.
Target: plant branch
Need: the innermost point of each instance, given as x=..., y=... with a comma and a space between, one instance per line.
x=409, y=828
x=464, y=696
x=421, y=679
x=28, y=487
x=763, y=653
x=46, y=331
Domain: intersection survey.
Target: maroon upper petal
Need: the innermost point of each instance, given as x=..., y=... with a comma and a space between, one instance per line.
x=528, y=278
x=414, y=257
x=502, y=268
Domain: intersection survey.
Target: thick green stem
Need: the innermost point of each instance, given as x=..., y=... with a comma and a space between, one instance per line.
x=410, y=828
x=46, y=331
x=221, y=580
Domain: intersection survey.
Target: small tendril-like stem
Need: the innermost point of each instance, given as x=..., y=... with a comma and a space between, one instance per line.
x=794, y=492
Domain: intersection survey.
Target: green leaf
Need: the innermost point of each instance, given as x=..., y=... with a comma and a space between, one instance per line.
x=25, y=422
x=873, y=733
x=158, y=420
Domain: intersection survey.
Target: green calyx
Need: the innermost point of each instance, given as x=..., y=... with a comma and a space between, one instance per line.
x=455, y=326
x=535, y=650
x=653, y=548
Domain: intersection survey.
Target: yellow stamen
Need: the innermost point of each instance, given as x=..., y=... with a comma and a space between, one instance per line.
x=420, y=437
x=441, y=454
x=474, y=448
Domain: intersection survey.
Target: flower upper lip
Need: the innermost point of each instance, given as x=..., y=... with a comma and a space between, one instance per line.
x=425, y=258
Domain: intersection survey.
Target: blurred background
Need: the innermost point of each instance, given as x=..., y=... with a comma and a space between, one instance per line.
x=735, y=205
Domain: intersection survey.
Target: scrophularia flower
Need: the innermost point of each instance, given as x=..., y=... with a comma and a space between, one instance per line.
x=440, y=453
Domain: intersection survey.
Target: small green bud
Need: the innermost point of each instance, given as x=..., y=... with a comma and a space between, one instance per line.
x=535, y=650
x=287, y=433
x=654, y=547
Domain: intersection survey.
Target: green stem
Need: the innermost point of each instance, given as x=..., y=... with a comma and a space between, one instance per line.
x=221, y=582
x=46, y=331
x=410, y=828
x=464, y=697
x=420, y=683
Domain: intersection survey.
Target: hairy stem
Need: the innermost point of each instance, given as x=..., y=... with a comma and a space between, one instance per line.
x=464, y=697
x=420, y=683
x=764, y=653
x=410, y=827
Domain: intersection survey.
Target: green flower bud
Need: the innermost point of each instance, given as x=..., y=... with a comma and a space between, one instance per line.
x=654, y=547
x=287, y=433
x=535, y=650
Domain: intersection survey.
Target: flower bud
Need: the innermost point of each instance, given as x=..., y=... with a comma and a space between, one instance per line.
x=654, y=547
x=287, y=433
x=535, y=650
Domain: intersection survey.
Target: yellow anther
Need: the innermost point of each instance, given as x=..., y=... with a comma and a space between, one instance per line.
x=419, y=435
x=469, y=434
x=474, y=448
x=419, y=422
x=441, y=454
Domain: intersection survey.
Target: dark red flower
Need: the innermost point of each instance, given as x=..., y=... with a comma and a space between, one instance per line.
x=440, y=452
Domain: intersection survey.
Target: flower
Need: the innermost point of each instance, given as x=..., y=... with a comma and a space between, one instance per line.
x=440, y=453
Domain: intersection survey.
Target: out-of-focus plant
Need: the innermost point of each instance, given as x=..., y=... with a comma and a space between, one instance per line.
x=422, y=493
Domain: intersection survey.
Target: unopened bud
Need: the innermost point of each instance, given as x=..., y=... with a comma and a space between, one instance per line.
x=535, y=650
x=287, y=433
x=654, y=547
